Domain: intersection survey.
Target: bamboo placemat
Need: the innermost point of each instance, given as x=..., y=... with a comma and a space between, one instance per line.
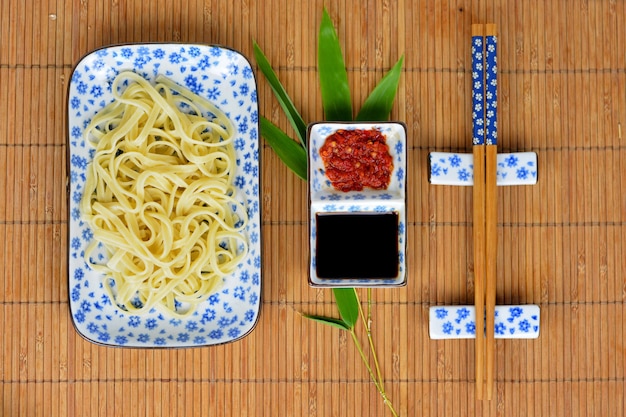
x=561, y=243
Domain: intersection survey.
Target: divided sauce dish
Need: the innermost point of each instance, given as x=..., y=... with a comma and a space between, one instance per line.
x=357, y=204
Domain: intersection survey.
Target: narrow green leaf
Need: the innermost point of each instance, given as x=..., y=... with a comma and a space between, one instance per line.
x=348, y=305
x=378, y=104
x=288, y=150
x=279, y=91
x=338, y=323
x=334, y=86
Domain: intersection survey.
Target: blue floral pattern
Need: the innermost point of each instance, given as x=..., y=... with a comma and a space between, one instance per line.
x=459, y=322
x=457, y=168
x=225, y=77
x=478, y=91
x=491, y=90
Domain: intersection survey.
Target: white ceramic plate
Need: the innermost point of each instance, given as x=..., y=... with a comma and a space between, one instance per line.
x=323, y=198
x=224, y=77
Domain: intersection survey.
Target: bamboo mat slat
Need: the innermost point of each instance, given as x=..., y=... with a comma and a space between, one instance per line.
x=561, y=243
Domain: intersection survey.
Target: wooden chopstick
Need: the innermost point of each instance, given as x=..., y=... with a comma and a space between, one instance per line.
x=491, y=204
x=478, y=228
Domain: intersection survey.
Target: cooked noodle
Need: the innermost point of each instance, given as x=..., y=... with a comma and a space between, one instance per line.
x=159, y=196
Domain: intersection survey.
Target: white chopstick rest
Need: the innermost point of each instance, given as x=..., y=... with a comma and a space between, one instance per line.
x=458, y=168
x=459, y=322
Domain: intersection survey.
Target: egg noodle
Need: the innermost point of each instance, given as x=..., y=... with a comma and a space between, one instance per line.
x=159, y=197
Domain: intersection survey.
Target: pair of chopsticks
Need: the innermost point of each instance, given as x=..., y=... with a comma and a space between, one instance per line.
x=484, y=141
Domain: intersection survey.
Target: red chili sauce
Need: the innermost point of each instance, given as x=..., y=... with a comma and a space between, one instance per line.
x=355, y=159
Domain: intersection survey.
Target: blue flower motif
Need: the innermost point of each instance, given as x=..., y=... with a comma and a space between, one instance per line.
x=214, y=299
x=516, y=312
x=249, y=316
x=500, y=328
x=524, y=326
x=82, y=88
x=522, y=173
x=143, y=338
x=209, y=315
x=470, y=327
x=204, y=63
x=175, y=58
x=127, y=52
x=87, y=234
x=216, y=334
x=455, y=160
x=121, y=340
x=441, y=313
x=158, y=53
x=76, y=132
x=244, y=276
x=253, y=299
x=96, y=91
x=79, y=274
x=199, y=340
x=194, y=51
x=75, y=102
x=400, y=174
x=464, y=175
x=141, y=61
x=159, y=341
x=462, y=314
x=447, y=328
x=239, y=144
x=182, y=337
x=134, y=321
x=213, y=93
x=240, y=181
x=79, y=316
x=234, y=332
x=75, y=243
x=85, y=306
x=93, y=327
x=239, y=293
x=151, y=324
x=75, y=293
x=104, y=337
x=511, y=161
x=435, y=170
x=78, y=161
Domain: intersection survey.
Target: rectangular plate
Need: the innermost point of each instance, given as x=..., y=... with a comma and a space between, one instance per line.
x=459, y=322
x=224, y=77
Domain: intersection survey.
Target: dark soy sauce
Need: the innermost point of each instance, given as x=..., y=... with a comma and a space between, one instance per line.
x=357, y=245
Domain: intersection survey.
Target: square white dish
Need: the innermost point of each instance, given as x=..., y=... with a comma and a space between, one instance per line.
x=224, y=77
x=324, y=199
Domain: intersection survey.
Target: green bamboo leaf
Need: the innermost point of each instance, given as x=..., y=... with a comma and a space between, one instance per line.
x=288, y=150
x=334, y=86
x=378, y=104
x=330, y=321
x=279, y=91
x=348, y=305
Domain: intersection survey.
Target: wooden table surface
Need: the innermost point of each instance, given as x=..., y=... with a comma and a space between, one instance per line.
x=562, y=242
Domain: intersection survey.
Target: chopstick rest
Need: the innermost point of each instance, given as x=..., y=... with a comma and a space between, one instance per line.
x=447, y=168
x=459, y=322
